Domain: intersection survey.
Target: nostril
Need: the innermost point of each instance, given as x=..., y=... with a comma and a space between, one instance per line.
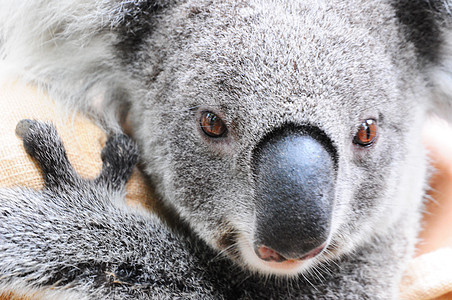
x=268, y=254
x=313, y=253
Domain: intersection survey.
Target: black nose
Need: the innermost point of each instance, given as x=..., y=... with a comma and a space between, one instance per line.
x=295, y=178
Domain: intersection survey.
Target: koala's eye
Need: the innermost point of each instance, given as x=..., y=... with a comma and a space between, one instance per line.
x=367, y=133
x=212, y=125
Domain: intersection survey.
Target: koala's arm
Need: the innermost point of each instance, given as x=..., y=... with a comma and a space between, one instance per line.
x=71, y=238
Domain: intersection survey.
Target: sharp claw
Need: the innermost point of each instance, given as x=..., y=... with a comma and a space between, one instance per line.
x=22, y=127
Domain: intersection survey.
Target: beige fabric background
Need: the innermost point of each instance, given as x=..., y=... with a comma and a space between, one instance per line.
x=429, y=276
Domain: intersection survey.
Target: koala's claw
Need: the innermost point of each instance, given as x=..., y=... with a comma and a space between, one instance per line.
x=41, y=141
x=119, y=156
x=121, y=150
x=23, y=126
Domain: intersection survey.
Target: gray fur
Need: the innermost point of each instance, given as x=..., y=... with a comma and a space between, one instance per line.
x=261, y=66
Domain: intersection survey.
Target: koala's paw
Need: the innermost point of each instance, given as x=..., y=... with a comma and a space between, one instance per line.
x=119, y=156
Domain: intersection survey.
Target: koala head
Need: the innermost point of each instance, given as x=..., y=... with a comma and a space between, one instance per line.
x=280, y=131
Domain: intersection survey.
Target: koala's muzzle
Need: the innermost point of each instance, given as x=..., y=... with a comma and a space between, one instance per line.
x=295, y=177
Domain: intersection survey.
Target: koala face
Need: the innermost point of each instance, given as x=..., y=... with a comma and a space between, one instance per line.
x=281, y=132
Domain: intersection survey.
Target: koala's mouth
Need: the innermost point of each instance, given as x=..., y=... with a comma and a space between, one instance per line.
x=270, y=255
x=267, y=261
x=264, y=260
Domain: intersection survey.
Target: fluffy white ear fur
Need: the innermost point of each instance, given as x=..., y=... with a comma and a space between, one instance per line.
x=441, y=78
x=64, y=48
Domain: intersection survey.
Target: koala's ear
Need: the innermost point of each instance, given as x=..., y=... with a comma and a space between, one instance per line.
x=427, y=24
x=440, y=76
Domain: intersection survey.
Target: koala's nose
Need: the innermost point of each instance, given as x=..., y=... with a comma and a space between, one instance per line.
x=295, y=177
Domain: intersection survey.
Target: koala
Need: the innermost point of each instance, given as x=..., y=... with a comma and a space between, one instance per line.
x=285, y=135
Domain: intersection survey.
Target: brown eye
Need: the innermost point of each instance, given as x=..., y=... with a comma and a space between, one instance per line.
x=367, y=133
x=212, y=125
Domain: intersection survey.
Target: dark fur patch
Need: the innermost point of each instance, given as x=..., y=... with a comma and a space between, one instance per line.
x=129, y=272
x=421, y=20
x=138, y=19
x=227, y=240
x=94, y=271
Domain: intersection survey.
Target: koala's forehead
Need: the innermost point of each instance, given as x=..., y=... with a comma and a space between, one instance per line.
x=294, y=54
